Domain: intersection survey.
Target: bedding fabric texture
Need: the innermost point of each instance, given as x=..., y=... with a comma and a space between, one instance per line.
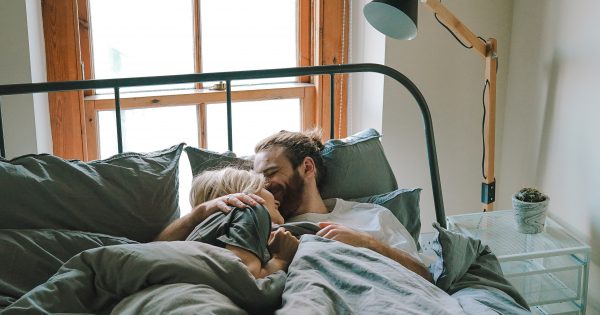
x=31, y=257
x=131, y=195
x=464, y=263
x=122, y=278
x=330, y=277
x=325, y=277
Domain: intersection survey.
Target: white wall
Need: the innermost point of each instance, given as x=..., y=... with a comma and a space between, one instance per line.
x=551, y=130
x=25, y=117
x=365, y=97
x=451, y=78
x=547, y=104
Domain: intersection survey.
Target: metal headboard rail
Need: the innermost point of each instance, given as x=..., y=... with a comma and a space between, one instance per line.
x=330, y=70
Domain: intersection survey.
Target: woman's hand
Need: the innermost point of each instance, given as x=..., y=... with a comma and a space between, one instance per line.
x=226, y=203
x=283, y=245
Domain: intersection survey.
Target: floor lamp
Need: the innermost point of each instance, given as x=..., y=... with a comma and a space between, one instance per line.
x=398, y=19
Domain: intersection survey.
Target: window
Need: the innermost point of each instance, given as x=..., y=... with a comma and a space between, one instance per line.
x=128, y=38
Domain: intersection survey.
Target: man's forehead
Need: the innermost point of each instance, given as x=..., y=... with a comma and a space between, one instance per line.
x=271, y=158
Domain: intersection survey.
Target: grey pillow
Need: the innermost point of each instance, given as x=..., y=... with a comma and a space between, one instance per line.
x=356, y=166
x=201, y=160
x=404, y=204
x=30, y=257
x=131, y=195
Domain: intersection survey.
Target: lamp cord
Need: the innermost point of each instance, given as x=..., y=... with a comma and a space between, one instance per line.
x=487, y=83
x=451, y=32
x=485, y=87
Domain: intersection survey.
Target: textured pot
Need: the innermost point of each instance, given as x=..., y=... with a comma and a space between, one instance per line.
x=530, y=216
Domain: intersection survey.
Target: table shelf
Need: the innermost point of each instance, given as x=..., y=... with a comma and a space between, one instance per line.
x=549, y=269
x=517, y=268
x=542, y=289
x=565, y=308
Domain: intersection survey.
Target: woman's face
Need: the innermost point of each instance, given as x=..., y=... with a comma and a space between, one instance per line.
x=272, y=206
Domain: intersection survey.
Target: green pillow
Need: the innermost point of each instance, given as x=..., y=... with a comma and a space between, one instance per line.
x=356, y=166
x=201, y=160
x=131, y=195
x=30, y=257
x=404, y=204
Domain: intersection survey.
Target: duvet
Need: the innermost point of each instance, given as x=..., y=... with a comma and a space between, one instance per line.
x=325, y=277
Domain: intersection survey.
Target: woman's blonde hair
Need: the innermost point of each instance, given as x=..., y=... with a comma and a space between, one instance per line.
x=212, y=184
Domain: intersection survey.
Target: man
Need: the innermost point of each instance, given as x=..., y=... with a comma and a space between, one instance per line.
x=294, y=169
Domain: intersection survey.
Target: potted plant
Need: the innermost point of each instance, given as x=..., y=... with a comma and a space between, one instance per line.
x=530, y=207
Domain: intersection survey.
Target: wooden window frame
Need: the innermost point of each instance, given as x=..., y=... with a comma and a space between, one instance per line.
x=74, y=115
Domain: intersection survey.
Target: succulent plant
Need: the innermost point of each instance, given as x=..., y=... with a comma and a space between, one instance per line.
x=529, y=194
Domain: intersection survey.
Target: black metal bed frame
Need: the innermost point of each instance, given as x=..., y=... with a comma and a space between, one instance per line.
x=331, y=70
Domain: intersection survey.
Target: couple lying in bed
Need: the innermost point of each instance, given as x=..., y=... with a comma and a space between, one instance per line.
x=234, y=208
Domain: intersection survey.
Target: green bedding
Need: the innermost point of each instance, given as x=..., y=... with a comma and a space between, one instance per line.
x=325, y=277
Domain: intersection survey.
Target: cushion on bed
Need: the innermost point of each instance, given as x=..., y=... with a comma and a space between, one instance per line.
x=30, y=257
x=404, y=203
x=356, y=167
x=131, y=195
x=202, y=160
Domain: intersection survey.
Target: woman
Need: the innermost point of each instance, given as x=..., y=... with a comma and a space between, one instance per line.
x=246, y=231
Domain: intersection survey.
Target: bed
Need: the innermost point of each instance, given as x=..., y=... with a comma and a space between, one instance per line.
x=76, y=237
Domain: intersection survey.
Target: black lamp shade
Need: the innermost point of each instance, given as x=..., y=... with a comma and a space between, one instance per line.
x=394, y=18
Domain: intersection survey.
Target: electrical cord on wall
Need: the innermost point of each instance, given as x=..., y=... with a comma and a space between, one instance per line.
x=486, y=85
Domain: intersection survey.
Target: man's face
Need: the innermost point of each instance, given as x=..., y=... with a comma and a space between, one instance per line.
x=283, y=180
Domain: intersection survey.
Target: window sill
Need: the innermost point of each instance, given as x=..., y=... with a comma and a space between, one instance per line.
x=240, y=93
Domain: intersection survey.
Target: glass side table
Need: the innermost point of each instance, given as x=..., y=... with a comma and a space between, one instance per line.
x=550, y=269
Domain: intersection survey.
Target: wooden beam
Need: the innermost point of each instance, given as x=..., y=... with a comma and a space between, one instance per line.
x=190, y=97
x=334, y=50
x=491, y=63
x=61, y=35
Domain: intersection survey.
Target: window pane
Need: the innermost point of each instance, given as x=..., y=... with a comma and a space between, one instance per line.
x=133, y=38
x=252, y=121
x=246, y=35
x=148, y=129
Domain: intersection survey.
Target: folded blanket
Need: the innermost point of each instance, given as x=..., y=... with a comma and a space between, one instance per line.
x=95, y=280
x=465, y=263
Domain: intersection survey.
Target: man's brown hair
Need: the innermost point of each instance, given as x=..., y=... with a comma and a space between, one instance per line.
x=297, y=146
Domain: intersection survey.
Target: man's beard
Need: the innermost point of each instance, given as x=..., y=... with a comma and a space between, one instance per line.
x=291, y=198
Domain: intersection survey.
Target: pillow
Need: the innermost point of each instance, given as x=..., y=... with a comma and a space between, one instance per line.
x=404, y=204
x=202, y=160
x=131, y=195
x=30, y=257
x=356, y=166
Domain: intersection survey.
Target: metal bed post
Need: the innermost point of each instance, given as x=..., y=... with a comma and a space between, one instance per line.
x=2, y=151
x=118, y=118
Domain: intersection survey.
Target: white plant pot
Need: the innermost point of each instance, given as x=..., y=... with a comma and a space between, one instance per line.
x=530, y=216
